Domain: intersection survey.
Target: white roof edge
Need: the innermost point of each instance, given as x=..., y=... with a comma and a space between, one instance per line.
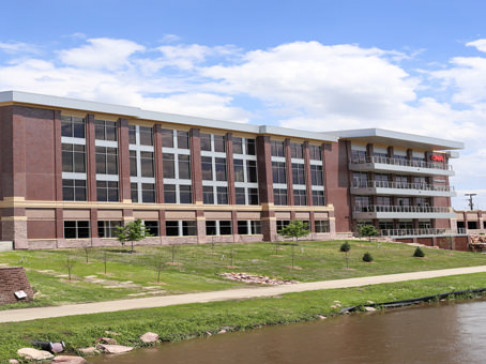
x=389, y=134
x=277, y=130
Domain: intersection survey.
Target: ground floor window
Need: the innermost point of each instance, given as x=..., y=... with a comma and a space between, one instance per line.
x=76, y=229
x=281, y=224
x=322, y=226
x=223, y=227
x=108, y=229
x=180, y=228
x=152, y=227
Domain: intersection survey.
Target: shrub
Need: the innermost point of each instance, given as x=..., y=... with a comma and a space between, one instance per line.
x=419, y=253
x=367, y=257
x=345, y=247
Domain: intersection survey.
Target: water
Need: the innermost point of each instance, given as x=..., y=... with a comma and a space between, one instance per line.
x=445, y=333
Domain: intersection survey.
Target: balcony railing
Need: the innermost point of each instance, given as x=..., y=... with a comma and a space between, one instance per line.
x=420, y=232
x=394, y=208
x=400, y=162
x=401, y=185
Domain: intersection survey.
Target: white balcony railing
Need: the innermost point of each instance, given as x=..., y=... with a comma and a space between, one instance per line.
x=402, y=185
x=400, y=162
x=395, y=208
x=420, y=232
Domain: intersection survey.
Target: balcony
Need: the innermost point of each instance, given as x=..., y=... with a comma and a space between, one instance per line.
x=400, y=189
x=400, y=165
x=402, y=212
x=405, y=233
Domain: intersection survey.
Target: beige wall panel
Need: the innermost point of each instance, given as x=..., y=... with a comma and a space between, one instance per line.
x=321, y=215
x=146, y=215
x=302, y=216
x=282, y=215
x=180, y=215
x=76, y=214
x=472, y=217
x=217, y=215
x=249, y=216
x=38, y=214
x=110, y=215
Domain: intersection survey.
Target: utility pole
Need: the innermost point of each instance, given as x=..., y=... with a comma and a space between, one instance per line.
x=471, y=204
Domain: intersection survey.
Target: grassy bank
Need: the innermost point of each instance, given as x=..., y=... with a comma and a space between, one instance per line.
x=191, y=268
x=187, y=321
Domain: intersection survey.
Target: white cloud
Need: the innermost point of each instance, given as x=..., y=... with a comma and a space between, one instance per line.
x=170, y=38
x=479, y=44
x=17, y=47
x=101, y=53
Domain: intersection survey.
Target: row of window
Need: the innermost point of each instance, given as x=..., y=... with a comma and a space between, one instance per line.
x=321, y=226
x=280, y=197
x=298, y=174
x=296, y=150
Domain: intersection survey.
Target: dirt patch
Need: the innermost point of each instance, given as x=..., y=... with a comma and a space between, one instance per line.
x=256, y=279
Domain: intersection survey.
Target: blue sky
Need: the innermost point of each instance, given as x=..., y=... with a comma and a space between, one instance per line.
x=414, y=66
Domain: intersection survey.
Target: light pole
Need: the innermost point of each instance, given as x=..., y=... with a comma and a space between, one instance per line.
x=471, y=204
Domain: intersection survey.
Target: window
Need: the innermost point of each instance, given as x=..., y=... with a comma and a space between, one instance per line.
x=249, y=227
x=298, y=174
x=256, y=227
x=105, y=130
x=108, y=229
x=107, y=191
x=281, y=224
x=237, y=145
x=240, y=196
x=318, y=198
x=296, y=150
x=219, y=143
x=184, y=166
x=167, y=138
x=133, y=163
x=250, y=146
x=172, y=228
x=146, y=135
x=207, y=168
x=316, y=175
x=189, y=228
x=253, y=196
x=222, y=195
x=220, y=167
x=205, y=142
x=239, y=170
x=76, y=229
x=359, y=156
x=277, y=148
x=280, y=196
x=242, y=227
x=360, y=179
x=132, y=134
x=211, y=228
x=315, y=152
x=300, y=198
x=169, y=165
x=147, y=164
x=251, y=171
x=74, y=190
x=72, y=127
x=73, y=158
x=107, y=160
x=152, y=227
x=170, y=194
x=148, y=192
x=279, y=172
x=134, y=191
x=208, y=195
x=185, y=194
x=225, y=228
x=322, y=226
x=182, y=139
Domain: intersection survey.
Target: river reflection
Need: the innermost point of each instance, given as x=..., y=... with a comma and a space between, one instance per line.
x=445, y=333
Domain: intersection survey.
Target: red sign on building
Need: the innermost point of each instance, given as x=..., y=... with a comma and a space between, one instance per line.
x=437, y=158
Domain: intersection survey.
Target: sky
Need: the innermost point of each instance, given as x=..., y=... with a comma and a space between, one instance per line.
x=411, y=66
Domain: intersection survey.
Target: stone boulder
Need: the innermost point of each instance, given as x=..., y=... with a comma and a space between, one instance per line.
x=69, y=359
x=13, y=361
x=107, y=340
x=114, y=349
x=34, y=354
x=88, y=351
x=149, y=338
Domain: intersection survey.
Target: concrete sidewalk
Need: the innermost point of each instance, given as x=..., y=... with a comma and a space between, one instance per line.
x=212, y=296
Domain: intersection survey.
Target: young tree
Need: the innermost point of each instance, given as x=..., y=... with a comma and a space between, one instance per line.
x=367, y=230
x=345, y=248
x=158, y=263
x=69, y=263
x=131, y=232
x=294, y=230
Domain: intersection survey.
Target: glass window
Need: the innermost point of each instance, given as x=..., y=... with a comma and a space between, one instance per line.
x=182, y=139
x=300, y=198
x=296, y=150
x=239, y=170
x=220, y=165
x=250, y=146
x=219, y=143
x=256, y=227
x=225, y=228
x=147, y=164
x=167, y=138
x=146, y=135
x=152, y=227
x=237, y=145
x=170, y=194
x=148, y=192
x=280, y=196
x=298, y=174
x=322, y=226
x=185, y=194
x=315, y=152
x=318, y=198
x=76, y=229
x=277, y=148
x=208, y=195
x=189, y=228
x=207, y=168
x=222, y=195
x=240, y=196
x=73, y=158
x=108, y=229
x=105, y=130
x=281, y=224
x=253, y=196
x=243, y=228
x=172, y=228
x=316, y=175
x=132, y=134
x=205, y=142
x=251, y=171
x=169, y=165
x=107, y=191
x=133, y=163
x=211, y=228
x=184, y=166
x=279, y=172
x=74, y=190
x=72, y=127
x=134, y=191
x=106, y=160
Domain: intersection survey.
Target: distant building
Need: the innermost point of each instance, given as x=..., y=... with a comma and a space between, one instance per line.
x=71, y=171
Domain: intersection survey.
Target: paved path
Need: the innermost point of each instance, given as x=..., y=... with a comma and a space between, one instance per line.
x=26, y=314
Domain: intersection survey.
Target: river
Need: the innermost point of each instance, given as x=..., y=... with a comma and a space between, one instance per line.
x=444, y=333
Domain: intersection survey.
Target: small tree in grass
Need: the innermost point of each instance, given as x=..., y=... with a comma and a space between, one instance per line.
x=367, y=231
x=69, y=263
x=367, y=257
x=345, y=248
x=158, y=264
x=295, y=229
x=132, y=232
x=419, y=253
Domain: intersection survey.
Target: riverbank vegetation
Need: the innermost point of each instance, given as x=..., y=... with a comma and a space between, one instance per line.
x=176, y=323
x=114, y=273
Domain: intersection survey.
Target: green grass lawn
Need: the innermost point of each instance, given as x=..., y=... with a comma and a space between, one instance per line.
x=192, y=268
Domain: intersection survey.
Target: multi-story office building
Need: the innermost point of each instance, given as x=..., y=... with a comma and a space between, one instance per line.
x=71, y=171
